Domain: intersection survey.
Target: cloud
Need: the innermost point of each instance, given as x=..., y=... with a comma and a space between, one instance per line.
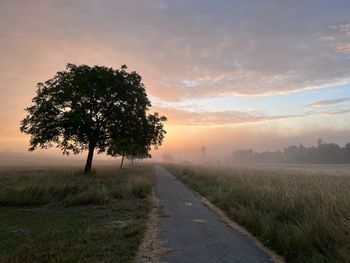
x=185, y=117
x=344, y=47
x=338, y=38
x=329, y=102
x=186, y=48
x=197, y=117
x=330, y=113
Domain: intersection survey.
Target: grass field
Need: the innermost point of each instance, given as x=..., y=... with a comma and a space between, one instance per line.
x=58, y=215
x=302, y=213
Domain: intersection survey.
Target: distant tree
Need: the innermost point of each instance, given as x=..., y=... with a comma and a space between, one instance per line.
x=138, y=137
x=346, y=153
x=138, y=156
x=127, y=149
x=319, y=142
x=82, y=107
x=121, y=148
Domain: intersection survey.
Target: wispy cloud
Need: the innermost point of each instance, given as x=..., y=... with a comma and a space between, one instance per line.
x=329, y=102
x=185, y=117
x=330, y=113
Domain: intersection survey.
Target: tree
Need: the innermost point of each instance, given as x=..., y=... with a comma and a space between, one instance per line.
x=322, y=153
x=81, y=107
x=121, y=148
x=137, y=140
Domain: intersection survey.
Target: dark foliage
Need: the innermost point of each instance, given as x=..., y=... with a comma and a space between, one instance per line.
x=83, y=107
x=136, y=143
x=322, y=153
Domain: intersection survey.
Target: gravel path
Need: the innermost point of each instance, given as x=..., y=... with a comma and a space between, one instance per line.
x=193, y=233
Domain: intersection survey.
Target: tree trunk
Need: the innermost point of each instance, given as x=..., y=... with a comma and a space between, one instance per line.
x=121, y=164
x=132, y=161
x=88, y=164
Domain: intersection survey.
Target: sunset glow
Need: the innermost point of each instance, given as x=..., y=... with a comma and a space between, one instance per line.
x=227, y=74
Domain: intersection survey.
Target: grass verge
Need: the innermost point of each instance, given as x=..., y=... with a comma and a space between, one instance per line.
x=303, y=216
x=63, y=216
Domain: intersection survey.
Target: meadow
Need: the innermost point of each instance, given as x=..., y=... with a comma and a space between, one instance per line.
x=57, y=214
x=301, y=212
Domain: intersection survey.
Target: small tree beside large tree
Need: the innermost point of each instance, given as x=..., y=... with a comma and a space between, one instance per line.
x=86, y=108
x=139, y=138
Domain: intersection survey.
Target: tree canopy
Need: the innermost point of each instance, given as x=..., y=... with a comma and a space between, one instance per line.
x=86, y=108
x=147, y=131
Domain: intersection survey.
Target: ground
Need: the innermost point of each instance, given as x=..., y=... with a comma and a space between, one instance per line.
x=56, y=215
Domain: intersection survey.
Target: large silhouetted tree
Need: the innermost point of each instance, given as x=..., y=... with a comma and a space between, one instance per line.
x=81, y=107
x=139, y=137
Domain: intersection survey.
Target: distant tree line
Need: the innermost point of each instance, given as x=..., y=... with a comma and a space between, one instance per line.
x=321, y=153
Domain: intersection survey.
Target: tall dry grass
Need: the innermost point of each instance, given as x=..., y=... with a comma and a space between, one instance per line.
x=32, y=187
x=302, y=214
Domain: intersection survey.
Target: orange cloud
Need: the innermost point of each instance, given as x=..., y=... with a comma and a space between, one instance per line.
x=184, y=117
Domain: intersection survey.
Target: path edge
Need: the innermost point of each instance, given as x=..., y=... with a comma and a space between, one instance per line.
x=229, y=222
x=151, y=248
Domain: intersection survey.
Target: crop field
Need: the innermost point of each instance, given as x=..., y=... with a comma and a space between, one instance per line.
x=302, y=211
x=61, y=215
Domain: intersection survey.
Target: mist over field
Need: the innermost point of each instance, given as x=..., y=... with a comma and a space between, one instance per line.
x=218, y=148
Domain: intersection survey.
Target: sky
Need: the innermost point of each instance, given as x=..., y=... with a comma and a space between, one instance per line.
x=228, y=74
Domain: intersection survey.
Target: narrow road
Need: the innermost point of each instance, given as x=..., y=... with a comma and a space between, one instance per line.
x=193, y=233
